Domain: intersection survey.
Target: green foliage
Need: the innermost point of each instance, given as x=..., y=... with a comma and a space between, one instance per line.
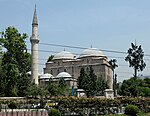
x=15, y=62
x=62, y=87
x=135, y=58
x=54, y=112
x=100, y=106
x=62, y=83
x=82, y=79
x=35, y=90
x=23, y=82
x=113, y=64
x=101, y=85
x=50, y=58
x=131, y=110
x=57, y=89
x=12, y=105
x=1, y=55
x=78, y=105
x=32, y=90
x=135, y=87
x=90, y=83
x=52, y=88
x=90, y=88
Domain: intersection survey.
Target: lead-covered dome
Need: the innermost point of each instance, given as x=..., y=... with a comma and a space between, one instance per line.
x=64, y=55
x=91, y=52
x=46, y=76
x=63, y=74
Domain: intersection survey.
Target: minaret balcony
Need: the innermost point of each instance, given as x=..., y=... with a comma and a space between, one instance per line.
x=34, y=40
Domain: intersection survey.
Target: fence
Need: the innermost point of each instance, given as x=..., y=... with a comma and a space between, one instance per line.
x=22, y=112
x=72, y=106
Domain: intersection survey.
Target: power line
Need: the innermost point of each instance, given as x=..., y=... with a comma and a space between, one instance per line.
x=79, y=54
x=78, y=47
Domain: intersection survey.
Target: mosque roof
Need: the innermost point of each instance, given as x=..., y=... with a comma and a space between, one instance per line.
x=46, y=76
x=63, y=74
x=29, y=73
x=91, y=52
x=63, y=55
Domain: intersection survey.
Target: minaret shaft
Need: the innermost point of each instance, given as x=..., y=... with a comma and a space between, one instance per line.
x=34, y=32
x=34, y=50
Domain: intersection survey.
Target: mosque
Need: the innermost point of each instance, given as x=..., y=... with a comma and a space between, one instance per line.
x=67, y=65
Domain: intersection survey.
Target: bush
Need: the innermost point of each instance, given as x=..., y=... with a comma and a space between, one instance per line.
x=12, y=105
x=54, y=112
x=131, y=110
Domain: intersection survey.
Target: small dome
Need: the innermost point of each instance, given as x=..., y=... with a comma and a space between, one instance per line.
x=63, y=74
x=91, y=52
x=63, y=55
x=29, y=73
x=46, y=76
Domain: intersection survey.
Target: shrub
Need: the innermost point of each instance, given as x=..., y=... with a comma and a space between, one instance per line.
x=54, y=112
x=131, y=110
x=12, y=105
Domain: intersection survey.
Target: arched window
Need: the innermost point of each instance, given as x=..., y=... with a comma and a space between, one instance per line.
x=58, y=71
x=52, y=72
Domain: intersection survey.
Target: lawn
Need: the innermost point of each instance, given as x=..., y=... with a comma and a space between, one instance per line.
x=139, y=114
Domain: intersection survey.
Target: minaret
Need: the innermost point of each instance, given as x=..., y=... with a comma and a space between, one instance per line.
x=34, y=49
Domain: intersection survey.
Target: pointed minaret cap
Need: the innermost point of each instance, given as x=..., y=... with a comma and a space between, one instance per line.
x=35, y=22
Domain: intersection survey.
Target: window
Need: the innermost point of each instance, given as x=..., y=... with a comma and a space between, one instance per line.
x=52, y=72
x=58, y=71
x=87, y=61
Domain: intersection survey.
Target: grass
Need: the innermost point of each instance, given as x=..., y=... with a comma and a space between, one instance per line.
x=139, y=114
x=144, y=114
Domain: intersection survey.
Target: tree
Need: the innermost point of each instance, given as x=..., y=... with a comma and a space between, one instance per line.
x=129, y=87
x=135, y=87
x=92, y=82
x=52, y=88
x=1, y=73
x=87, y=81
x=50, y=58
x=33, y=90
x=23, y=82
x=15, y=61
x=135, y=58
x=101, y=85
x=62, y=87
x=81, y=79
x=1, y=55
x=113, y=64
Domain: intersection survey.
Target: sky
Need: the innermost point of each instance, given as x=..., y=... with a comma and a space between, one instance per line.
x=104, y=24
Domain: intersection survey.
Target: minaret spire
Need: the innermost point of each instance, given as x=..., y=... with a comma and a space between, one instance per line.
x=35, y=22
x=34, y=49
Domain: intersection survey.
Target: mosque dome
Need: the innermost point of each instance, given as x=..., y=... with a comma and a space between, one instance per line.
x=29, y=73
x=63, y=74
x=64, y=55
x=91, y=52
x=46, y=76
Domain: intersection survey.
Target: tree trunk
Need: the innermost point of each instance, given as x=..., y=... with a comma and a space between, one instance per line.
x=114, y=83
x=135, y=72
